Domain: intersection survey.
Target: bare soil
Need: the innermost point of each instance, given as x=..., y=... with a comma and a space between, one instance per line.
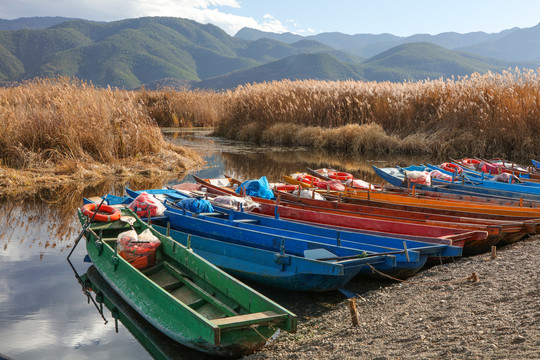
x=437, y=314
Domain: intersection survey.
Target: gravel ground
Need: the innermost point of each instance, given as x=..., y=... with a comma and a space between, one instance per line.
x=426, y=317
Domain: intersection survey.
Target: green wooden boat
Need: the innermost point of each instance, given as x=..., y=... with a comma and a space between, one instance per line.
x=184, y=296
x=157, y=344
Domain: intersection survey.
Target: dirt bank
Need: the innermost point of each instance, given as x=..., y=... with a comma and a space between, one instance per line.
x=496, y=318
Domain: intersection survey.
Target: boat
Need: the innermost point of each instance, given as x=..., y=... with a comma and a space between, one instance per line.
x=247, y=231
x=279, y=268
x=160, y=194
x=184, y=296
x=498, y=231
x=495, y=189
x=157, y=344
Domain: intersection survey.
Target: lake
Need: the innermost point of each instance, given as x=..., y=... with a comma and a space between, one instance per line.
x=43, y=312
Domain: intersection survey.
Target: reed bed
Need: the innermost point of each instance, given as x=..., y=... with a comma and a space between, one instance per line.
x=53, y=131
x=58, y=130
x=172, y=108
x=478, y=115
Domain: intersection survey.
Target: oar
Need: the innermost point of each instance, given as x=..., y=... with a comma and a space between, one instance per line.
x=360, y=256
x=85, y=227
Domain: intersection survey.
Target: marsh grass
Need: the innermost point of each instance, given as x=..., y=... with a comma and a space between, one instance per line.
x=59, y=130
x=55, y=131
x=172, y=108
x=479, y=115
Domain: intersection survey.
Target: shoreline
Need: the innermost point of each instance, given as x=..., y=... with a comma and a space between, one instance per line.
x=425, y=317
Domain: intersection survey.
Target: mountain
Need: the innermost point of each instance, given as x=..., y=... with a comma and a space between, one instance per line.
x=320, y=66
x=40, y=22
x=519, y=45
x=124, y=53
x=254, y=34
x=166, y=51
x=368, y=45
x=419, y=61
x=407, y=62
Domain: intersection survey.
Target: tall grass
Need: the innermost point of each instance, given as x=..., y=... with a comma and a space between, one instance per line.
x=171, y=108
x=55, y=130
x=481, y=115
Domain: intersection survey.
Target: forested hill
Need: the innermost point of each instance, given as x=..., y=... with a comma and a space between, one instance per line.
x=156, y=50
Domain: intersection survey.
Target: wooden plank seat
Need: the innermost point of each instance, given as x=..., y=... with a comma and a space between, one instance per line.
x=248, y=319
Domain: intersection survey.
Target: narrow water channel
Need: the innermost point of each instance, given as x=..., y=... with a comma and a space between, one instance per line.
x=43, y=312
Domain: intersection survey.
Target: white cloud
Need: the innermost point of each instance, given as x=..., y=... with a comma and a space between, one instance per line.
x=272, y=24
x=203, y=11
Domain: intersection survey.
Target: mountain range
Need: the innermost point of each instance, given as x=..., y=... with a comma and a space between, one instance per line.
x=164, y=51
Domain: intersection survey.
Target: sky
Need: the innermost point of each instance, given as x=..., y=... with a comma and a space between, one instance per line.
x=303, y=17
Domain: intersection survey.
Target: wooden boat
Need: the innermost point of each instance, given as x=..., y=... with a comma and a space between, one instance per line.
x=281, y=268
x=157, y=344
x=497, y=166
x=497, y=230
x=309, y=231
x=160, y=194
x=423, y=193
x=393, y=176
x=408, y=261
x=184, y=296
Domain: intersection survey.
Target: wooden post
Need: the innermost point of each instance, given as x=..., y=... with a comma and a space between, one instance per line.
x=493, y=252
x=354, y=312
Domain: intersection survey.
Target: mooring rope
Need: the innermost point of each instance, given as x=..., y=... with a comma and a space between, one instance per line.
x=472, y=278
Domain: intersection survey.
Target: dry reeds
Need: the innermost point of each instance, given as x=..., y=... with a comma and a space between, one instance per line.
x=490, y=114
x=171, y=108
x=57, y=130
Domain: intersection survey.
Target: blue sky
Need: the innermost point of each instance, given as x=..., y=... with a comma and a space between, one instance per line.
x=303, y=17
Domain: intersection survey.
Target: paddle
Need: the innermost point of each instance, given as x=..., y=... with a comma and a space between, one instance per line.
x=85, y=227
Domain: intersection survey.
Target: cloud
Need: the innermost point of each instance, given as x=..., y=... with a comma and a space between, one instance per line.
x=203, y=11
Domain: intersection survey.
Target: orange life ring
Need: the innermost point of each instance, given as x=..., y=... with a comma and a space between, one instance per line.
x=286, y=187
x=451, y=167
x=470, y=161
x=106, y=213
x=341, y=176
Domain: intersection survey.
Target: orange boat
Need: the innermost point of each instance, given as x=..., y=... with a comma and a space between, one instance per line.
x=435, y=203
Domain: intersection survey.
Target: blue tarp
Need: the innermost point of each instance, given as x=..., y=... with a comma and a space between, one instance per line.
x=196, y=206
x=259, y=188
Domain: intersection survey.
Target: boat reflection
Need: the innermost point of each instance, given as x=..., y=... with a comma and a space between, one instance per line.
x=157, y=344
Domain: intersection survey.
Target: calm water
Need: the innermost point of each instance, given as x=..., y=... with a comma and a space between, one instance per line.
x=43, y=312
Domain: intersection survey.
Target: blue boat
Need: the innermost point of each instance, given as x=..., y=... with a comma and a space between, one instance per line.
x=524, y=191
x=109, y=200
x=161, y=194
x=338, y=235
x=246, y=231
x=279, y=267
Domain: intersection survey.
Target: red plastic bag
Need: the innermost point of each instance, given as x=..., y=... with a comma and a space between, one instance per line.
x=331, y=185
x=138, y=250
x=146, y=204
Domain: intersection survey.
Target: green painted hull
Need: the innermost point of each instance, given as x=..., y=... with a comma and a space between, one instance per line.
x=186, y=297
x=158, y=345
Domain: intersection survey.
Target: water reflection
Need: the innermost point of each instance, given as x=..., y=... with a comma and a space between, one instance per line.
x=42, y=312
x=158, y=345
x=248, y=161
